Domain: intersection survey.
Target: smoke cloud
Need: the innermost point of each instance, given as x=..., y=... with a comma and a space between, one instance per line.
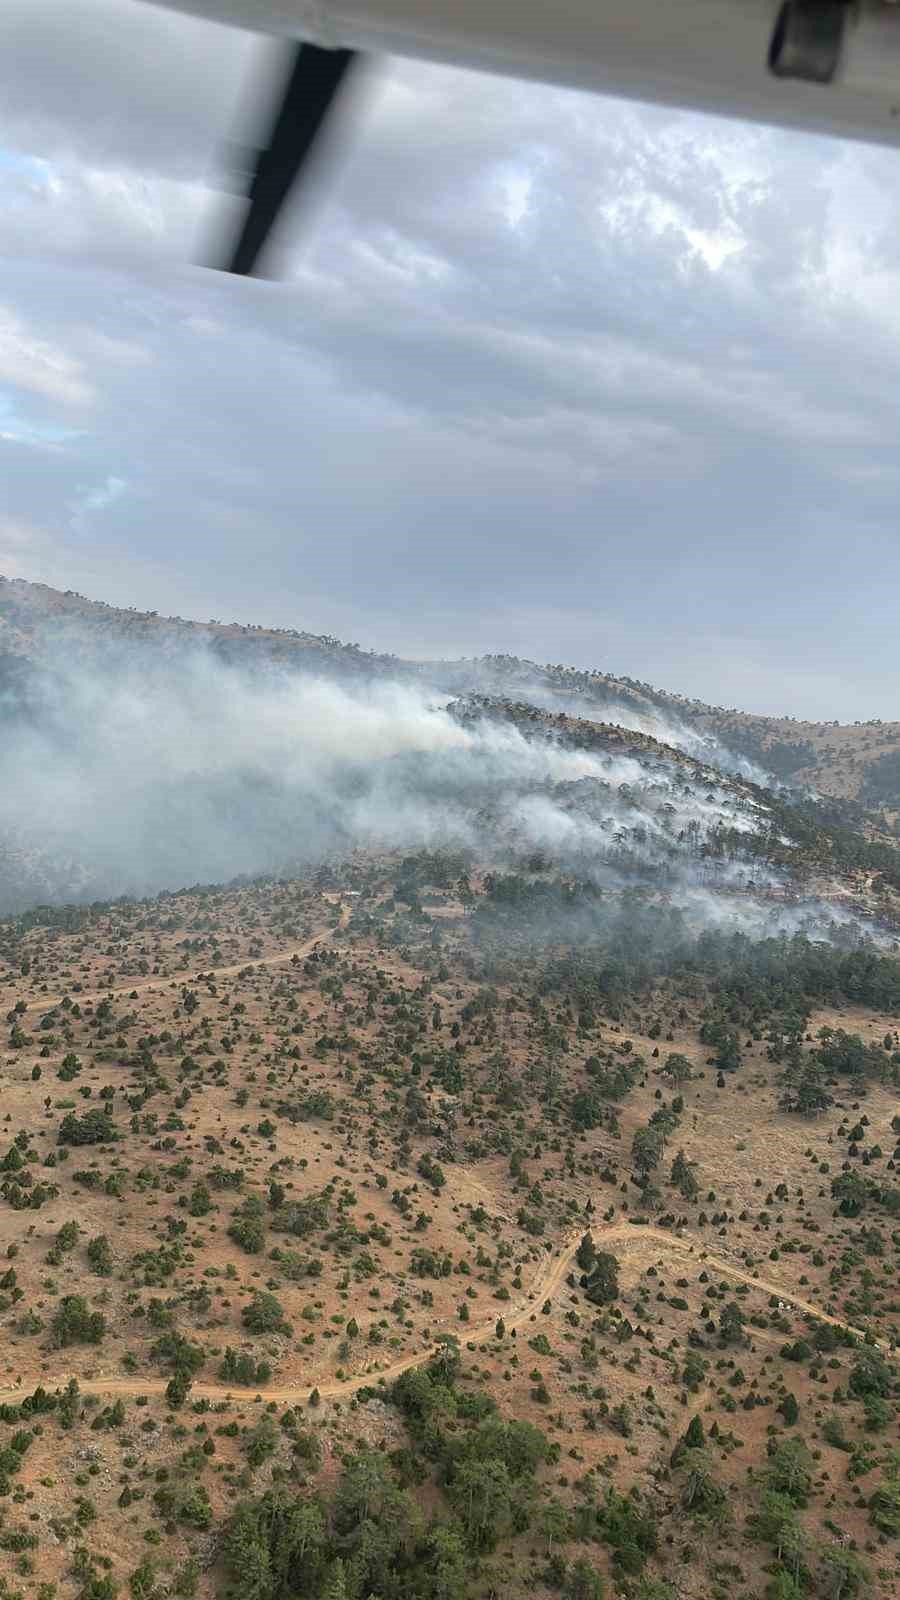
x=594, y=701
x=135, y=772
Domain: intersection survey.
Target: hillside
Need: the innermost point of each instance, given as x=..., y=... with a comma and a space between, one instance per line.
x=36, y=620
x=451, y=1133
x=377, y=1245
x=151, y=753
x=858, y=762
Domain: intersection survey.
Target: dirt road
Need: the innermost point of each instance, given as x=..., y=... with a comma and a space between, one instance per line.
x=544, y=1286
x=46, y=1002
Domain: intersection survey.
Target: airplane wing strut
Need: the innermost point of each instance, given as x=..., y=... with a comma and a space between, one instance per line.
x=313, y=84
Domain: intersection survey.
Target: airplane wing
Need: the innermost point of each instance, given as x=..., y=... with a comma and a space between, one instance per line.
x=830, y=66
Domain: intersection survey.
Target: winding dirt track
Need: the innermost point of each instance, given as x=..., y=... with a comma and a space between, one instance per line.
x=46, y=1002
x=544, y=1286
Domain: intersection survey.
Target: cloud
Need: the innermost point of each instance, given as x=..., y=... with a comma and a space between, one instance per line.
x=18, y=546
x=96, y=499
x=31, y=363
x=17, y=428
x=119, y=87
x=546, y=371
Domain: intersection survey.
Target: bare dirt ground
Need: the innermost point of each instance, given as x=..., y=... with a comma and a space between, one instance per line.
x=619, y=1237
x=304, y=1044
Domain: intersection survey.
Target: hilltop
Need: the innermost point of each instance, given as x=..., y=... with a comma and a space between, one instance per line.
x=859, y=762
x=36, y=620
x=153, y=753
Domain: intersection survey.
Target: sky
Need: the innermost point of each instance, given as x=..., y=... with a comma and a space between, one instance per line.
x=544, y=373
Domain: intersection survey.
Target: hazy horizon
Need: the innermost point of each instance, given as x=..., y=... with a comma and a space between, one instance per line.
x=424, y=657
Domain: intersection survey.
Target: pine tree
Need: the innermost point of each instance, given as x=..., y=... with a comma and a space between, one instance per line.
x=789, y=1409
x=335, y=1582
x=694, y=1436
x=603, y=1283
x=177, y=1389
x=586, y=1254
x=683, y=1177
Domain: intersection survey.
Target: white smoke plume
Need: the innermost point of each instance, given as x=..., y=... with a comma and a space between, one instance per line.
x=656, y=724
x=145, y=773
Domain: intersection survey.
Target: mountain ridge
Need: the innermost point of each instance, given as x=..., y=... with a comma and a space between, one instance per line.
x=857, y=761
